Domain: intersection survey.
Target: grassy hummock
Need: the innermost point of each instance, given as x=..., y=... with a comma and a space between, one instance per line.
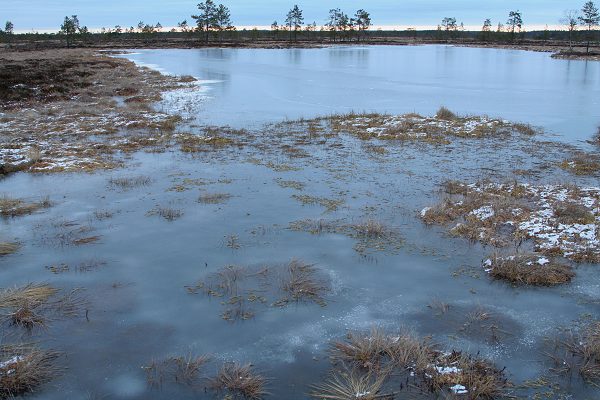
x=529, y=269
x=560, y=220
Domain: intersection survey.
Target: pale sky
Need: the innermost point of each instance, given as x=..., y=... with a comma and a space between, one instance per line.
x=42, y=15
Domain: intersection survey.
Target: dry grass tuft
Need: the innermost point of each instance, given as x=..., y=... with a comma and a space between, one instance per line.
x=242, y=289
x=32, y=305
x=525, y=129
x=371, y=366
x=445, y=114
x=327, y=203
x=371, y=235
x=364, y=350
x=240, y=380
x=457, y=373
x=7, y=248
x=168, y=213
x=579, y=352
x=371, y=229
x=126, y=183
x=300, y=283
x=530, y=269
x=582, y=164
x=214, y=198
x=31, y=293
x=11, y=207
x=572, y=213
x=379, y=351
x=351, y=385
x=24, y=368
x=183, y=369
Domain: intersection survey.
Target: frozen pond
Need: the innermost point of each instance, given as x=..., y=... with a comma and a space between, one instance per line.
x=252, y=86
x=137, y=274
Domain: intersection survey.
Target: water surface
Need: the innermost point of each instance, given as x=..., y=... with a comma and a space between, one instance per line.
x=253, y=86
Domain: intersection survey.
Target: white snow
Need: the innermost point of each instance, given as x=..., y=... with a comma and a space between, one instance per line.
x=447, y=370
x=483, y=213
x=459, y=389
x=9, y=363
x=543, y=261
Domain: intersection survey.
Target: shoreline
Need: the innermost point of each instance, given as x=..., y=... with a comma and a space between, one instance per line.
x=559, y=49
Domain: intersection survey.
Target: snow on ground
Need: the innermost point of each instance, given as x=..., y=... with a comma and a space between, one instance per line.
x=412, y=126
x=542, y=222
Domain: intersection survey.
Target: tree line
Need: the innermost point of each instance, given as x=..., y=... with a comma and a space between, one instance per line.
x=215, y=19
x=588, y=17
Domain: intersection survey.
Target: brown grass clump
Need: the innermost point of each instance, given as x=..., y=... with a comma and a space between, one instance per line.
x=442, y=213
x=243, y=289
x=11, y=207
x=239, y=288
x=525, y=129
x=183, y=370
x=380, y=351
x=582, y=164
x=33, y=305
x=371, y=229
x=170, y=214
x=364, y=350
x=351, y=385
x=445, y=114
x=214, y=198
x=240, y=380
x=454, y=187
x=579, y=352
x=24, y=368
x=31, y=293
x=7, y=248
x=126, y=183
x=380, y=366
x=328, y=204
x=530, y=269
x=301, y=284
x=572, y=213
x=316, y=227
x=462, y=374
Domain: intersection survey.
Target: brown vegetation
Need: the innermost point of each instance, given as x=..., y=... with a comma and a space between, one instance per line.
x=446, y=114
x=350, y=385
x=8, y=248
x=244, y=289
x=11, y=207
x=214, y=198
x=33, y=305
x=530, y=269
x=126, y=183
x=182, y=369
x=24, y=368
x=240, y=380
x=168, y=213
x=559, y=219
x=582, y=164
x=300, y=284
x=96, y=107
x=579, y=352
x=369, y=233
x=573, y=213
x=380, y=366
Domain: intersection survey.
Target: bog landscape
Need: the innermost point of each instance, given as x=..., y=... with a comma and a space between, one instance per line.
x=302, y=210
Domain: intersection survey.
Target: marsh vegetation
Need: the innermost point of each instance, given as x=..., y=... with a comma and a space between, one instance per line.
x=465, y=240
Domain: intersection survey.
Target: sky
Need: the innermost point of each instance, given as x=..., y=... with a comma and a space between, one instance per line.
x=47, y=15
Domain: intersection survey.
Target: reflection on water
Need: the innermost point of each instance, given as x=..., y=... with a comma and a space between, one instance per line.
x=261, y=85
